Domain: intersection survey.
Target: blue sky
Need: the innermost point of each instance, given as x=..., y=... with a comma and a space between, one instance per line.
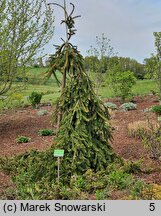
x=128, y=23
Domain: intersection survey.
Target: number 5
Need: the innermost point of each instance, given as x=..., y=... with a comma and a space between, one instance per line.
x=152, y=207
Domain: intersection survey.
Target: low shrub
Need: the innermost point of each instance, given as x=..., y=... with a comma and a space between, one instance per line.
x=128, y=106
x=118, y=179
x=156, y=192
x=46, y=132
x=157, y=109
x=12, y=101
x=121, y=82
x=42, y=112
x=136, y=191
x=35, y=175
x=110, y=105
x=16, y=96
x=95, y=181
x=35, y=99
x=149, y=133
x=22, y=139
x=102, y=194
x=73, y=194
x=132, y=167
x=142, y=191
x=152, y=140
x=138, y=128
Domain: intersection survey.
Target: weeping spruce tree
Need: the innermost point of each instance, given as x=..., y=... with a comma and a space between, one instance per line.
x=83, y=131
x=82, y=119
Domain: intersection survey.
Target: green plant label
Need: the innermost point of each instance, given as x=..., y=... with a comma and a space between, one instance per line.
x=159, y=118
x=58, y=153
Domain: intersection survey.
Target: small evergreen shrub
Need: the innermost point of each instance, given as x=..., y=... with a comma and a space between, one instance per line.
x=143, y=191
x=99, y=180
x=42, y=112
x=46, y=132
x=35, y=98
x=118, y=179
x=102, y=194
x=136, y=191
x=132, y=167
x=22, y=139
x=35, y=176
x=128, y=106
x=110, y=105
x=157, y=109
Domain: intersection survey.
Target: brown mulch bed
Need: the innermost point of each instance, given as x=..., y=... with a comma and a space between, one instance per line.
x=23, y=123
x=26, y=122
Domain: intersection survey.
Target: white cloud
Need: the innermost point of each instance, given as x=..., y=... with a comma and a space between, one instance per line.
x=128, y=23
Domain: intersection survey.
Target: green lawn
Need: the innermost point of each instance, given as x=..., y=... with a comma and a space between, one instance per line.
x=51, y=91
x=142, y=87
x=38, y=76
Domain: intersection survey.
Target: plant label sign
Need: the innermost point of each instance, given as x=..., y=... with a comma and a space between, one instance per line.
x=58, y=153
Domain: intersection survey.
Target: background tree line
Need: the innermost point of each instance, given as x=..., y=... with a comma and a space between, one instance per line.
x=91, y=64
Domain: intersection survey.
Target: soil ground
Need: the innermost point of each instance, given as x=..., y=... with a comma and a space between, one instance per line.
x=26, y=122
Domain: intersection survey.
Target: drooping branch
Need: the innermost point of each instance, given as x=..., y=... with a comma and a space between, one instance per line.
x=69, y=20
x=66, y=58
x=63, y=50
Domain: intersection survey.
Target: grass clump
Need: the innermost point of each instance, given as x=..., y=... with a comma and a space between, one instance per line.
x=152, y=141
x=46, y=132
x=150, y=135
x=23, y=139
x=138, y=128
